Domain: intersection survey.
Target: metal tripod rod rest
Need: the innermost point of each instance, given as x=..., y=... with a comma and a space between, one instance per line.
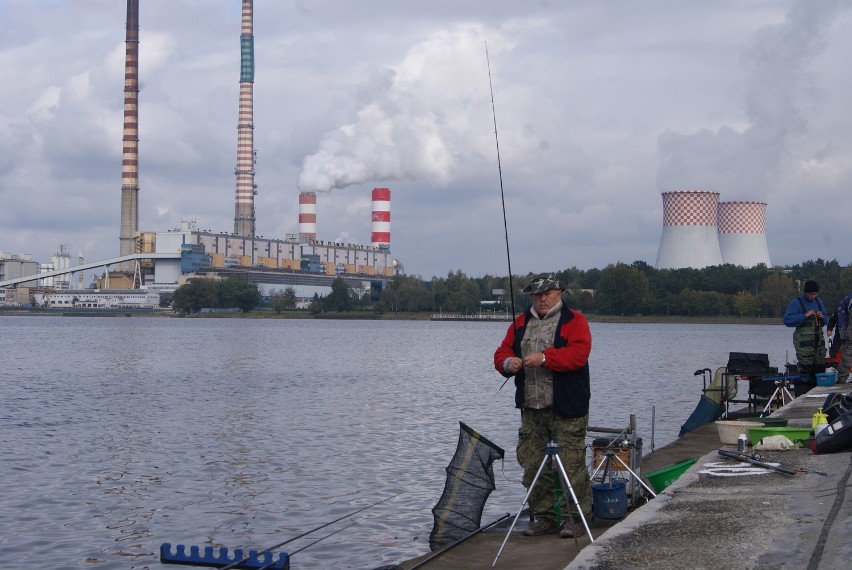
x=783, y=391
x=552, y=450
x=610, y=454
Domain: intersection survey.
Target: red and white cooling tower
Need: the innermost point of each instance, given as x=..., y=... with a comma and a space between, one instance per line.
x=380, y=236
x=690, y=236
x=742, y=233
x=308, y=215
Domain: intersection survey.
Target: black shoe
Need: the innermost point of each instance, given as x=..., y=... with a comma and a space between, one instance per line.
x=541, y=526
x=570, y=529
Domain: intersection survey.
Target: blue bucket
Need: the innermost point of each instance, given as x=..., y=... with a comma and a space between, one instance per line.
x=609, y=500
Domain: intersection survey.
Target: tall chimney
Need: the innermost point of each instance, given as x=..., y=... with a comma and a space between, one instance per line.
x=742, y=233
x=690, y=237
x=246, y=188
x=130, y=152
x=308, y=215
x=380, y=236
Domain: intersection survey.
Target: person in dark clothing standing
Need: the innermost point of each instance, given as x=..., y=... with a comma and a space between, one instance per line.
x=547, y=350
x=806, y=313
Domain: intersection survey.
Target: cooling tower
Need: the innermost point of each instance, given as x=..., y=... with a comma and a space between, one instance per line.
x=690, y=237
x=742, y=233
x=130, y=136
x=380, y=236
x=244, y=218
x=308, y=215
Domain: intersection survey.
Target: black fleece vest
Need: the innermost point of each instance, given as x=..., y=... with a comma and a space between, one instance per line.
x=571, y=390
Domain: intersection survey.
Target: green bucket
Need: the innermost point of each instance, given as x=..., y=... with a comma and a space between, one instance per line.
x=664, y=477
x=768, y=421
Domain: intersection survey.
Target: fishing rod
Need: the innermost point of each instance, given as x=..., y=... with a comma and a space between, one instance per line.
x=459, y=541
x=502, y=195
x=280, y=544
x=756, y=459
x=272, y=564
x=502, y=200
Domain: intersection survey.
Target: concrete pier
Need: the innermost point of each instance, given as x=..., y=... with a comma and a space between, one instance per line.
x=721, y=513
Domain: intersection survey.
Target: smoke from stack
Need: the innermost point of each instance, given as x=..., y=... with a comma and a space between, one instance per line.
x=244, y=215
x=130, y=136
x=380, y=236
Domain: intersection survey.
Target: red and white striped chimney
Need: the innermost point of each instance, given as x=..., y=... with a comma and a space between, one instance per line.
x=130, y=137
x=308, y=215
x=244, y=215
x=380, y=236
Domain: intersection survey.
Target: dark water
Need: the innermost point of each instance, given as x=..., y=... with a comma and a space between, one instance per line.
x=119, y=434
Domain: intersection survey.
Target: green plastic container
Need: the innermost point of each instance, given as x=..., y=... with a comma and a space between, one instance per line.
x=768, y=421
x=664, y=477
x=755, y=434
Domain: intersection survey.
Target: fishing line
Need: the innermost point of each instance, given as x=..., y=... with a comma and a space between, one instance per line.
x=280, y=544
x=502, y=200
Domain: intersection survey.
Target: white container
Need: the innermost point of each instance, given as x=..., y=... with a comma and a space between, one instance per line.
x=730, y=430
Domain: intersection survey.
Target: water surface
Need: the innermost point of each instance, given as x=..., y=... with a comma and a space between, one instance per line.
x=119, y=434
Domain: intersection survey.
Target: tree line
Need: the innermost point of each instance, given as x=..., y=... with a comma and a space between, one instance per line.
x=634, y=289
x=617, y=289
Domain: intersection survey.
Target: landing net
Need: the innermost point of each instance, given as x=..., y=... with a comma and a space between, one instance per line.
x=470, y=479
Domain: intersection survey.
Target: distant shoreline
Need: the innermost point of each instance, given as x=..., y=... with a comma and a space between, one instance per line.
x=372, y=316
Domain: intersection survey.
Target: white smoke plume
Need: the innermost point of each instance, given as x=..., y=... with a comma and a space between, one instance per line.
x=742, y=161
x=417, y=122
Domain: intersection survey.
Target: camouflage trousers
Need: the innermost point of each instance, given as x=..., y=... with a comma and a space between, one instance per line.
x=538, y=427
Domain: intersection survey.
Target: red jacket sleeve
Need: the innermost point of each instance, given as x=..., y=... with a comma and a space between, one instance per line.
x=575, y=354
x=505, y=351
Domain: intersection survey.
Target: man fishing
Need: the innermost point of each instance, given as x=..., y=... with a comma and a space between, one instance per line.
x=547, y=350
x=808, y=315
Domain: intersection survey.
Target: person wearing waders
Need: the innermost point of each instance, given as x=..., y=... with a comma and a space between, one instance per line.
x=547, y=350
x=806, y=313
x=843, y=331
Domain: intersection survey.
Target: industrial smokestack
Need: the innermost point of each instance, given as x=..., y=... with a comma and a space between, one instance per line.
x=308, y=215
x=246, y=188
x=130, y=152
x=742, y=233
x=690, y=237
x=380, y=236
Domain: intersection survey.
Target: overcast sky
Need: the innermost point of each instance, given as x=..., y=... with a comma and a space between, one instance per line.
x=600, y=107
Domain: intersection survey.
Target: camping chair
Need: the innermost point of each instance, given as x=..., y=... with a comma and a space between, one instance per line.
x=752, y=368
x=722, y=388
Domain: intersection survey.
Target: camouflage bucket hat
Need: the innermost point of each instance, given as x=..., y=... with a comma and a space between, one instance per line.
x=543, y=283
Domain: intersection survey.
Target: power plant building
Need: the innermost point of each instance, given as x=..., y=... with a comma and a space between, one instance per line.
x=742, y=233
x=690, y=235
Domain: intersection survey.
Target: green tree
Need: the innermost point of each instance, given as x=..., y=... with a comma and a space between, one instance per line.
x=340, y=298
x=775, y=293
x=281, y=300
x=746, y=303
x=239, y=293
x=197, y=293
x=622, y=290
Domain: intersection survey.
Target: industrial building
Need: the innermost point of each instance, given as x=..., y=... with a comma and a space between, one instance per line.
x=162, y=261
x=700, y=231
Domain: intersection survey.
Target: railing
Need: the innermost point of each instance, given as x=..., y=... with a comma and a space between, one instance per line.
x=500, y=317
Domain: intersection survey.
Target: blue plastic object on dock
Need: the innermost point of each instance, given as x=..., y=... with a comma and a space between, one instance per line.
x=219, y=558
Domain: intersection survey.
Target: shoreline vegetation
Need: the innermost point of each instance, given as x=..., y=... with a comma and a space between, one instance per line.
x=373, y=316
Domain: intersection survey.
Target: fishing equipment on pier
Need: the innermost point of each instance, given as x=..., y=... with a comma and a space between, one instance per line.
x=249, y=559
x=470, y=479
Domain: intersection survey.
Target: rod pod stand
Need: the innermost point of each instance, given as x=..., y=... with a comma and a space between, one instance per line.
x=552, y=452
x=610, y=455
